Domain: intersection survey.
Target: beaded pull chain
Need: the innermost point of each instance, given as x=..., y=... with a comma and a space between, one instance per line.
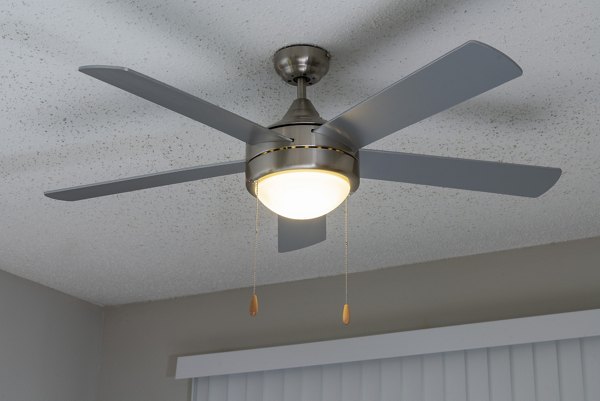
x=346, y=309
x=254, y=299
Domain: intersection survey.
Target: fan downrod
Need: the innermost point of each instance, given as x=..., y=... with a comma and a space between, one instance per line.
x=301, y=66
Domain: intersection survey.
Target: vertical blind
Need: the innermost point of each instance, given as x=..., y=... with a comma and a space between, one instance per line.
x=565, y=370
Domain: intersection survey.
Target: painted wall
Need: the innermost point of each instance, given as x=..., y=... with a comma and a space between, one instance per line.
x=50, y=343
x=141, y=341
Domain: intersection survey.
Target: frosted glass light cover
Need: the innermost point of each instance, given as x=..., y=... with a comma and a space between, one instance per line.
x=303, y=194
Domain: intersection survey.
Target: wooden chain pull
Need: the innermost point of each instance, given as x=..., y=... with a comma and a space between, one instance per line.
x=346, y=314
x=254, y=305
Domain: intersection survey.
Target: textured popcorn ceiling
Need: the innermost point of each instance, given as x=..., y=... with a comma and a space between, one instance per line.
x=61, y=128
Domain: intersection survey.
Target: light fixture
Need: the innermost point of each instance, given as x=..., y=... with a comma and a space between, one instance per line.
x=303, y=194
x=312, y=174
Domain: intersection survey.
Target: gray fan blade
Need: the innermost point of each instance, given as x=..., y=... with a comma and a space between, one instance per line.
x=298, y=234
x=465, y=72
x=147, y=181
x=473, y=175
x=183, y=103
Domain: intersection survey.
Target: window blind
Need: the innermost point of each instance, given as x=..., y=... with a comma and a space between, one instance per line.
x=564, y=370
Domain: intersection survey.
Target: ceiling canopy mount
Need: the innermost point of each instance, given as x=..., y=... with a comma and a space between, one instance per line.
x=296, y=63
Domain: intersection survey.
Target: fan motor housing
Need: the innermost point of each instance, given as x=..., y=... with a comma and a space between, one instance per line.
x=301, y=65
x=308, y=151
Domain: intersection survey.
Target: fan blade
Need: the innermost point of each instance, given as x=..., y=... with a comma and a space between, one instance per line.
x=473, y=175
x=465, y=72
x=183, y=103
x=147, y=181
x=298, y=234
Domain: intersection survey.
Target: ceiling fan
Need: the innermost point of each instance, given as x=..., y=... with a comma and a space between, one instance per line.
x=302, y=167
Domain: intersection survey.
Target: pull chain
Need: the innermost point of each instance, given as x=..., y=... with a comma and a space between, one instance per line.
x=254, y=299
x=346, y=309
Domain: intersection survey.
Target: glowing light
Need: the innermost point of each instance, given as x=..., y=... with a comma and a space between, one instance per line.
x=303, y=194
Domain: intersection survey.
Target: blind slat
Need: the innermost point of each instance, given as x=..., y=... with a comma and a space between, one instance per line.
x=546, y=371
x=412, y=387
x=570, y=370
x=391, y=379
x=477, y=375
x=523, y=377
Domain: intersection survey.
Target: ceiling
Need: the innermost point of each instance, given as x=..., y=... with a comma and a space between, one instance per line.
x=61, y=128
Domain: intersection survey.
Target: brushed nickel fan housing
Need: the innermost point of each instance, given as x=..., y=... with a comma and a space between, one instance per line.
x=301, y=66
